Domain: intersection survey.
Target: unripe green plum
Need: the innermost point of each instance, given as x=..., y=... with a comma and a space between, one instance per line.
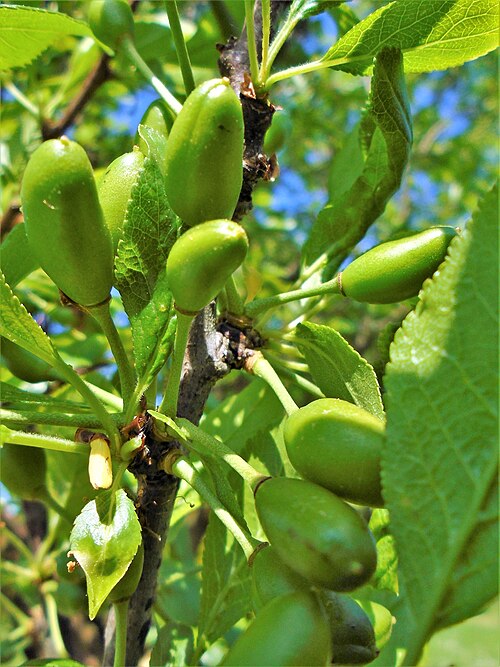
x=24, y=365
x=205, y=153
x=111, y=21
x=271, y=577
x=23, y=470
x=65, y=223
x=157, y=118
x=276, y=135
x=353, y=636
x=115, y=190
x=201, y=261
x=395, y=271
x=127, y=585
x=381, y=620
x=337, y=445
x=289, y=630
x=316, y=534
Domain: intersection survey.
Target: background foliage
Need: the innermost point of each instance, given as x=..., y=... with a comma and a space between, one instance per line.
x=453, y=162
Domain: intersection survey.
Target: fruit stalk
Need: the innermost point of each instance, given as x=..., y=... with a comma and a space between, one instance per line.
x=102, y=315
x=252, y=46
x=169, y=403
x=259, y=366
x=234, y=302
x=258, y=306
x=206, y=445
x=53, y=622
x=120, y=610
x=180, y=45
x=43, y=441
x=93, y=401
x=266, y=34
x=183, y=469
x=133, y=55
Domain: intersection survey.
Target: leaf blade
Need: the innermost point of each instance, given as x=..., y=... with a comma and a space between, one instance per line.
x=437, y=474
x=150, y=230
x=386, y=132
x=26, y=32
x=17, y=325
x=434, y=35
x=105, y=538
x=337, y=368
x=225, y=593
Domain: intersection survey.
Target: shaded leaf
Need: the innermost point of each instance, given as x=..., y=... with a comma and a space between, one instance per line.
x=225, y=596
x=302, y=9
x=17, y=325
x=346, y=166
x=262, y=452
x=52, y=662
x=243, y=415
x=345, y=18
x=440, y=465
x=337, y=368
x=386, y=134
x=104, y=540
x=174, y=646
x=179, y=590
x=236, y=421
x=15, y=397
x=26, y=32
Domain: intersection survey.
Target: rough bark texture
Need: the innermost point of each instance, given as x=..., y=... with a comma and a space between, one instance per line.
x=213, y=349
x=257, y=111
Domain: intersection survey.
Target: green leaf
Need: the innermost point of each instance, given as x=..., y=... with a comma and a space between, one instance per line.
x=150, y=230
x=433, y=35
x=157, y=145
x=386, y=134
x=386, y=574
x=345, y=18
x=346, y=166
x=439, y=465
x=52, y=662
x=237, y=421
x=261, y=451
x=337, y=368
x=225, y=595
x=26, y=32
x=302, y=9
x=17, y=325
x=16, y=258
x=156, y=362
x=178, y=593
x=174, y=646
x=242, y=415
x=15, y=397
x=104, y=540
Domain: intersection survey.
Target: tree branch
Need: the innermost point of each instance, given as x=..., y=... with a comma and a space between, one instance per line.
x=203, y=365
x=257, y=111
x=99, y=75
x=210, y=355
